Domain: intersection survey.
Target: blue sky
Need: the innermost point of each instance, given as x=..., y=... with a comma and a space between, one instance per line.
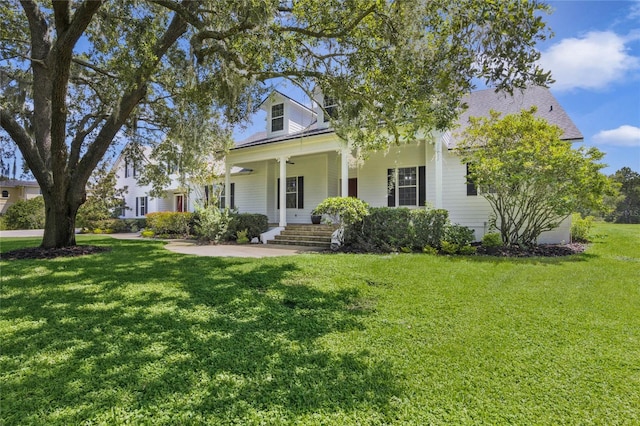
x=595, y=59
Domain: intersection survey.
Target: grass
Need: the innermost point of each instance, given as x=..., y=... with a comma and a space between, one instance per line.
x=140, y=335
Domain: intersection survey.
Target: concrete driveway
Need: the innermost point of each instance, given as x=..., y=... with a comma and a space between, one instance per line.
x=190, y=247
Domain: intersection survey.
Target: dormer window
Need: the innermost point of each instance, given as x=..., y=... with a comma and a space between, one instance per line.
x=330, y=108
x=277, y=117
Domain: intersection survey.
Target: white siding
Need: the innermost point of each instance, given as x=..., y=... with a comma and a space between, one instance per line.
x=249, y=192
x=372, y=175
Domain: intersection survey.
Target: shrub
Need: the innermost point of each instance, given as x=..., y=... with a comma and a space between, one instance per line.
x=147, y=234
x=429, y=227
x=458, y=234
x=344, y=210
x=26, y=214
x=116, y=225
x=581, y=227
x=254, y=224
x=491, y=240
x=385, y=229
x=467, y=250
x=448, y=247
x=170, y=223
x=429, y=250
x=242, y=237
x=211, y=223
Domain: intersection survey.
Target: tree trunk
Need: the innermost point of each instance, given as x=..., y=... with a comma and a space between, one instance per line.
x=60, y=222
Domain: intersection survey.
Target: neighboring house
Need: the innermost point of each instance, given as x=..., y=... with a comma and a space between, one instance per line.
x=136, y=199
x=300, y=161
x=13, y=190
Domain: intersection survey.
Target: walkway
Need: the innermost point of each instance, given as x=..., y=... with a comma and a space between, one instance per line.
x=189, y=247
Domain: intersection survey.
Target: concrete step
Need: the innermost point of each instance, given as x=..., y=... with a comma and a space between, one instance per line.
x=298, y=237
x=299, y=243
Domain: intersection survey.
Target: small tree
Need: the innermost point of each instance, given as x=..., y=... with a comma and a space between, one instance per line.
x=627, y=205
x=532, y=179
x=104, y=200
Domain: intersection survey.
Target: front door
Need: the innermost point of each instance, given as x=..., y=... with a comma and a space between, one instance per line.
x=180, y=203
x=353, y=187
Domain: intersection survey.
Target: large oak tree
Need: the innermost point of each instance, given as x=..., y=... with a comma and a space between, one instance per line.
x=77, y=77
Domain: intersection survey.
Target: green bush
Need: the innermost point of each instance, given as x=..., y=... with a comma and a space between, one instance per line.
x=255, y=224
x=169, y=223
x=458, y=234
x=429, y=227
x=3, y=223
x=26, y=214
x=581, y=227
x=241, y=237
x=117, y=225
x=491, y=240
x=384, y=230
x=211, y=223
x=344, y=210
x=448, y=247
x=429, y=250
x=147, y=234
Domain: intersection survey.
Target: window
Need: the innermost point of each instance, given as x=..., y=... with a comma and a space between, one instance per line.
x=277, y=117
x=5, y=193
x=330, y=108
x=120, y=210
x=130, y=169
x=294, y=192
x=222, y=202
x=472, y=189
x=142, y=206
x=406, y=186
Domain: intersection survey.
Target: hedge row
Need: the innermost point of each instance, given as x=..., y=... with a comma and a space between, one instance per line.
x=388, y=229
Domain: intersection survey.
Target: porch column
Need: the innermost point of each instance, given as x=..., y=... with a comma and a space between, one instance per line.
x=344, y=163
x=283, y=191
x=438, y=171
x=227, y=185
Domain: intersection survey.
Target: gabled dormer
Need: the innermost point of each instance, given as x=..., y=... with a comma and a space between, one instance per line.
x=286, y=116
x=326, y=107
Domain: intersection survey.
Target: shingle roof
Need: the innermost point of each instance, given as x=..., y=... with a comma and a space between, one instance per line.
x=261, y=138
x=14, y=183
x=480, y=103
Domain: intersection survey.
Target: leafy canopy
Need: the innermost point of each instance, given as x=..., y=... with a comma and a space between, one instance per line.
x=532, y=179
x=78, y=77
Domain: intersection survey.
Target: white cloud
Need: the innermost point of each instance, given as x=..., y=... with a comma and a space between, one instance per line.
x=593, y=61
x=624, y=135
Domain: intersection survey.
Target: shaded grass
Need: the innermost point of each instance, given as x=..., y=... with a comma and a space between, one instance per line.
x=141, y=335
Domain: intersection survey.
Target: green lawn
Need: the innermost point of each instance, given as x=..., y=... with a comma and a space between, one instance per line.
x=140, y=335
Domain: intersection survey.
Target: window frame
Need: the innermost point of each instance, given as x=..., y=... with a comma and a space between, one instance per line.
x=393, y=187
x=277, y=118
x=142, y=206
x=330, y=107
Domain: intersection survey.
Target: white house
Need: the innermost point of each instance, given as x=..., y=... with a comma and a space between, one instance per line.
x=285, y=171
x=137, y=199
x=299, y=161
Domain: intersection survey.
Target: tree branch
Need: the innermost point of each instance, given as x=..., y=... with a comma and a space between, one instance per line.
x=335, y=33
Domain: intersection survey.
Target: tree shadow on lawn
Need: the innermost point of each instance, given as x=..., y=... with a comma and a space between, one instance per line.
x=145, y=332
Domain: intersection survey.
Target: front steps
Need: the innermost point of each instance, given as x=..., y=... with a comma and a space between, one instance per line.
x=305, y=235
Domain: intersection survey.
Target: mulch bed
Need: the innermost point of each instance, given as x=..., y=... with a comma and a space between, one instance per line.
x=46, y=253
x=543, y=250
